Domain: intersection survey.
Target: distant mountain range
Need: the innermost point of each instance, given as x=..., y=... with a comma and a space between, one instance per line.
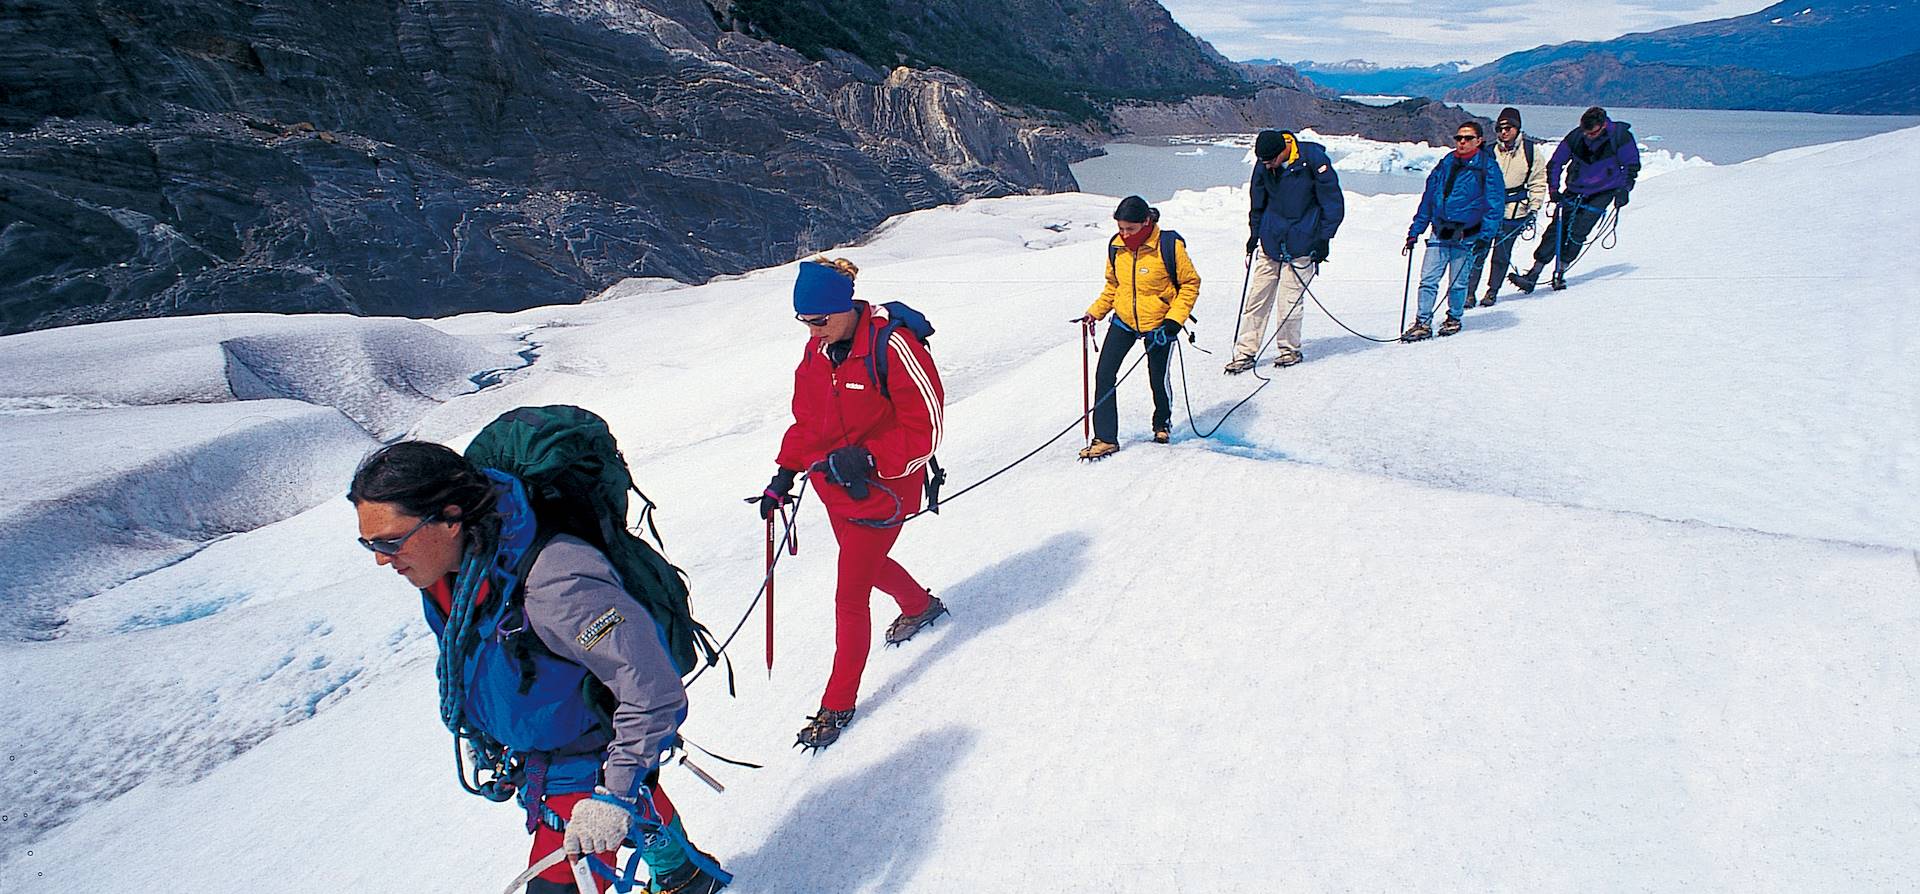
x=1358, y=76
x=1861, y=58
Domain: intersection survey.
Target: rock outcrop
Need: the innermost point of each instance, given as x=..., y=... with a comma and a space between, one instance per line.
x=1413, y=120
x=422, y=158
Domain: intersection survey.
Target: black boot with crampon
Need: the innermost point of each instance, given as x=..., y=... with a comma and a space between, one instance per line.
x=823, y=729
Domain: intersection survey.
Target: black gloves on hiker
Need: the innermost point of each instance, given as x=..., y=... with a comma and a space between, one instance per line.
x=1620, y=201
x=849, y=467
x=1253, y=244
x=779, y=493
x=1164, y=334
x=1407, y=249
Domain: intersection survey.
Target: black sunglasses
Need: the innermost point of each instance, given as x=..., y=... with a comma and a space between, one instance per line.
x=1465, y=137
x=818, y=321
x=390, y=546
x=1508, y=127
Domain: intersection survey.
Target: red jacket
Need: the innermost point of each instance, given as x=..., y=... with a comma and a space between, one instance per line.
x=837, y=406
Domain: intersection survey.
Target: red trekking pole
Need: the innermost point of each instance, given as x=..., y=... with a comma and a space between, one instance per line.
x=770, y=553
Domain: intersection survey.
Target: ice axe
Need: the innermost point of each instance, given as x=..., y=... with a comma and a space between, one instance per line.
x=770, y=557
x=582, y=874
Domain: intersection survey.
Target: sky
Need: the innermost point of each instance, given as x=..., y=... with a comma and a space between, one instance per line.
x=1429, y=32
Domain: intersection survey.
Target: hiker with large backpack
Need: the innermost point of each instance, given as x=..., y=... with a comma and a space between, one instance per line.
x=1150, y=290
x=1601, y=160
x=1526, y=181
x=555, y=670
x=1295, y=208
x=867, y=416
x=1462, y=204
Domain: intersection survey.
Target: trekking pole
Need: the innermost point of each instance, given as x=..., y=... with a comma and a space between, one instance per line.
x=1404, y=289
x=1086, y=384
x=770, y=555
x=1245, y=281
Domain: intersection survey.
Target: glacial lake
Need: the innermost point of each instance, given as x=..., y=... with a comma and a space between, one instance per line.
x=1156, y=168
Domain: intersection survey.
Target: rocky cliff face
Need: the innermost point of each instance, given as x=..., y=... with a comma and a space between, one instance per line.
x=421, y=158
x=1414, y=120
x=428, y=157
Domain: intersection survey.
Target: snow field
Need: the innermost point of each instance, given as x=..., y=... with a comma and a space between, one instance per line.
x=1613, y=591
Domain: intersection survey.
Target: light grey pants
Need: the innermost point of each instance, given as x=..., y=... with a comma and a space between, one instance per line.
x=1269, y=278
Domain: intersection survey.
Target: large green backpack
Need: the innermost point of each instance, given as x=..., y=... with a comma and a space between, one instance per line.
x=577, y=483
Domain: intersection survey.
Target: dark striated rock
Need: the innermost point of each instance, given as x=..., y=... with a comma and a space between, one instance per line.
x=430, y=157
x=1413, y=120
x=170, y=156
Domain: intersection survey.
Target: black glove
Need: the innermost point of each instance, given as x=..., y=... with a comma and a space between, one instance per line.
x=1407, y=249
x=1620, y=201
x=779, y=493
x=1483, y=245
x=1164, y=334
x=1553, y=195
x=849, y=467
x=1319, y=253
x=1253, y=244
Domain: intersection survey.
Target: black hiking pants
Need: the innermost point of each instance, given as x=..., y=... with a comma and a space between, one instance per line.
x=1572, y=221
x=1106, y=413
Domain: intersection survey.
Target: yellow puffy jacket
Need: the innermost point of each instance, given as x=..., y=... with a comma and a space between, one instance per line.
x=1139, y=292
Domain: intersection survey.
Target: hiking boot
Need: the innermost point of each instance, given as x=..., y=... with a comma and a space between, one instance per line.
x=1162, y=436
x=1489, y=299
x=1523, y=283
x=1450, y=325
x=1239, y=365
x=688, y=879
x=1098, y=450
x=1287, y=357
x=1416, y=332
x=823, y=729
x=1558, y=282
x=904, y=627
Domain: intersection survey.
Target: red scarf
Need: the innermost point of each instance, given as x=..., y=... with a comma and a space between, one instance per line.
x=1468, y=154
x=1138, y=239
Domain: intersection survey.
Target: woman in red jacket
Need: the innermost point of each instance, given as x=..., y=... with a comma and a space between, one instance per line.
x=867, y=407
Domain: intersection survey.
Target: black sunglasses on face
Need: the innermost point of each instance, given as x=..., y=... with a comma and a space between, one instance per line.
x=1508, y=127
x=818, y=321
x=390, y=546
x=1465, y=137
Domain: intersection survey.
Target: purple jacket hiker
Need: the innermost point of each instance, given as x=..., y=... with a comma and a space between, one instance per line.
x=1595, y=165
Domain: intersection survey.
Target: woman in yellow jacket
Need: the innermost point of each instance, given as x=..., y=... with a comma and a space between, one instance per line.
x=1146, y=305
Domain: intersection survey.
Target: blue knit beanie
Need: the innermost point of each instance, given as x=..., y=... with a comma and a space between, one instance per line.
x=821, y=290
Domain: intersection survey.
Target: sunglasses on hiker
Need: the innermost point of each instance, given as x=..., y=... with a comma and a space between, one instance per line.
x=1465, y=137
x=1505, y=127
x=815, y=322
x=391, y=546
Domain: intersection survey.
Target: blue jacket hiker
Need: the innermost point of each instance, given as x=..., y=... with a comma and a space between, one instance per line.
x=1463, y=203
x=552, y=674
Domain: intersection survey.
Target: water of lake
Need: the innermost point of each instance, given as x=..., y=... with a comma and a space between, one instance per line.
x=1156, y=169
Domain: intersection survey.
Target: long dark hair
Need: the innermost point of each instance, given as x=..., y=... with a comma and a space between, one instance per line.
x=423, y=479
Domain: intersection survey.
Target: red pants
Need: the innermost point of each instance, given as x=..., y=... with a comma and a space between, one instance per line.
x=546, y=840
x=864, y=566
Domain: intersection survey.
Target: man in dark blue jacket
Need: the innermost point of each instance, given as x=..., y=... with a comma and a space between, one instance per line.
x=1296, y=209
x=1463, y=202
x=1602, y=162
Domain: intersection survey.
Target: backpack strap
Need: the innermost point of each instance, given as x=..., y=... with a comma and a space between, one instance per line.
x=1167, y=258
x=877, y=357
